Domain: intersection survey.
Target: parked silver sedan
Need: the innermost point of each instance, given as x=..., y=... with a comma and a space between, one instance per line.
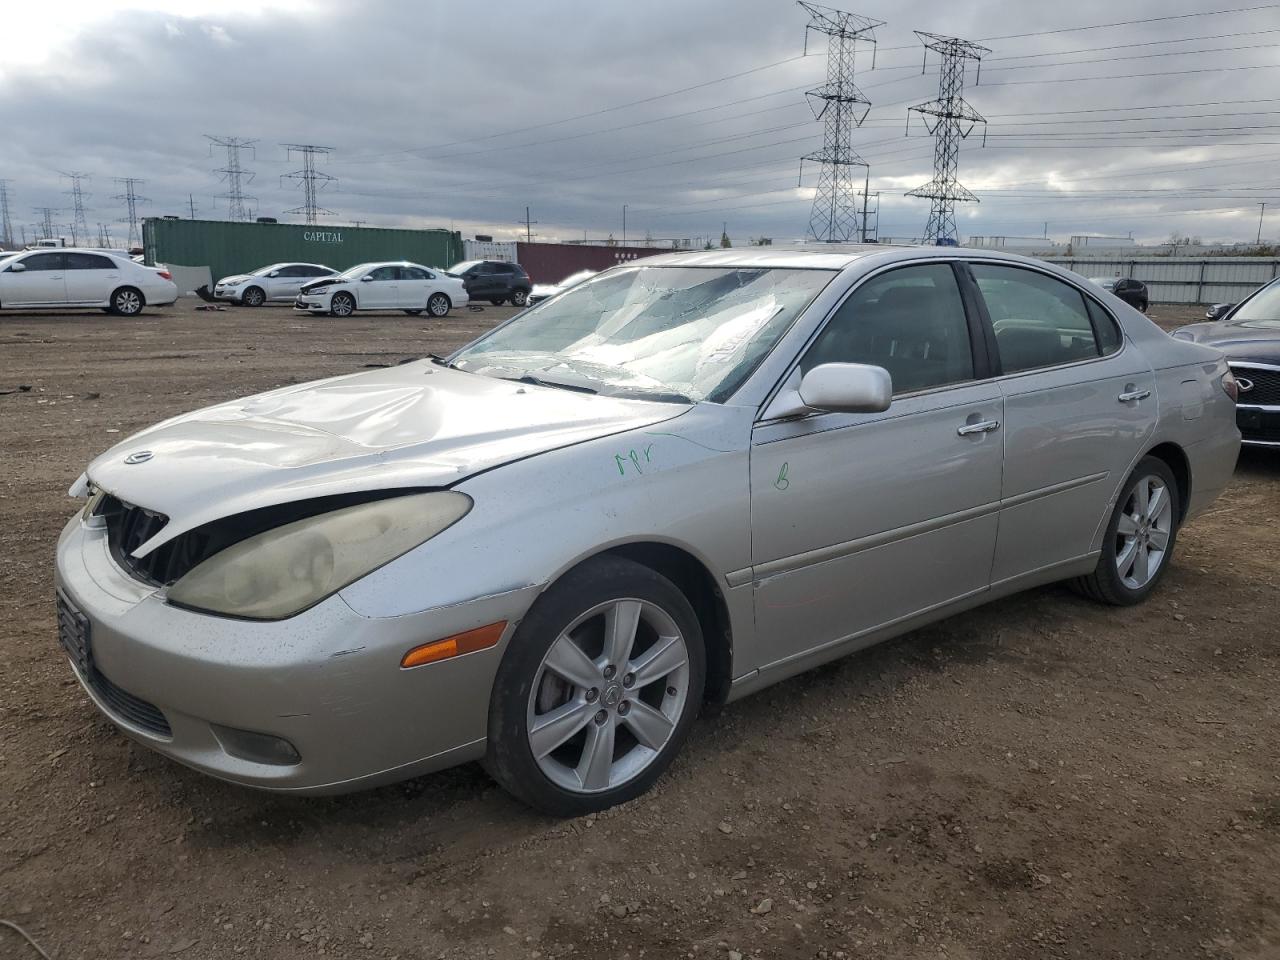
x=679, y=482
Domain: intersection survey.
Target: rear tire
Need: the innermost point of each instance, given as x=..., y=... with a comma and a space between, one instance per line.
x=607, y=717
x=127, y=302
x=342, y=305
x=253, y=297
x=519, y=297
x=1140, y=538
x=438, y=305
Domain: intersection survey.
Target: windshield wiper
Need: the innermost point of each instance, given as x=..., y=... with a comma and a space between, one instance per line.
x=442, y=361
x=558, y=384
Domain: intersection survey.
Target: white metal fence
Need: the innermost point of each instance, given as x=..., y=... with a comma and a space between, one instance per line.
x=488, y=250
x=1182, y=279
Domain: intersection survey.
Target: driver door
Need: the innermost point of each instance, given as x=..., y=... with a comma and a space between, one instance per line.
x=863, y=520
x=382, y=290
x=42, y=283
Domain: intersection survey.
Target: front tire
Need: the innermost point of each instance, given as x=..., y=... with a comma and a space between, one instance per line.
x=597, y=690
x=342, y=305
x=1139, y=540
x=438, y=305
x=253, y=297
x=127, y=302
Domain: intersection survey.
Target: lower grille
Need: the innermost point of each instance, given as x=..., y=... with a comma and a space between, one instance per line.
x=123, y=703
x=1265, y=385
x=75, y=633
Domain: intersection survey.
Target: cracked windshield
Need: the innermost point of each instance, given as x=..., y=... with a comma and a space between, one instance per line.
x=680, y=334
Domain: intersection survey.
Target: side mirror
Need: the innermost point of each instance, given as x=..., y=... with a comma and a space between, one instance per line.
x=18, y=268
x=847, y=388
x=274, y=273
x=366, y=278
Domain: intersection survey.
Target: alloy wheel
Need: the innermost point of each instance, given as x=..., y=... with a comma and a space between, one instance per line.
x=608, y=695
x=519, y=298
x=254, y=297
x=1143, y=532
x=128, y=302
x=438, y=304
x=342, y=305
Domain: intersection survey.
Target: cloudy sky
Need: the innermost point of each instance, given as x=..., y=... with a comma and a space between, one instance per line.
x=689, y=112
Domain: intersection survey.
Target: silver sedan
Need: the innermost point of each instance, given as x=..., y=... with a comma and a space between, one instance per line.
x=677, y=483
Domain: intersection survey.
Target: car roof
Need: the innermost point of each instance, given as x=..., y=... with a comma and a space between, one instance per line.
x=828, y=256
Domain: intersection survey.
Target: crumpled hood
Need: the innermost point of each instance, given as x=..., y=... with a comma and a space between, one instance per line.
x=1238, y=339
x=238, y=279
x=415, y=425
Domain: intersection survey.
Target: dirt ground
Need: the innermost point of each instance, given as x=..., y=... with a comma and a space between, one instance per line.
x=1040, y=778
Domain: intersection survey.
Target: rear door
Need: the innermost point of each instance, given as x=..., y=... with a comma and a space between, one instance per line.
x=41, y=283
x=90, y=278
x=862, y=520
x=1079, y=404
x=413, y=288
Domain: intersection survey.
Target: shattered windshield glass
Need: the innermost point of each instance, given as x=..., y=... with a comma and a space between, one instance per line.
x=678, y=333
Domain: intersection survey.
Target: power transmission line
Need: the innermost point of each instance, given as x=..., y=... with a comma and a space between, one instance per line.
x=233, y=174
x=131, y=201
x=79, y=227
x=834, y=216
x=1130, y=23
x=954, y=120
x=309, y=177
x=6, y=226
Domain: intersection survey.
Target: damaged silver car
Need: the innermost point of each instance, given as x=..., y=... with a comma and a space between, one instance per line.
x=674, y=484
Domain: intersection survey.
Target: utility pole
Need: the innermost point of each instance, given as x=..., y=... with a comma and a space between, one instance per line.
x=953, y=120
x=624, y=224
x=131, y=200
x=79, y=228
x=309, y=177
x=6, y=227
x=841, y=106
x=528, y=226
x=234, y=175
x=191, y=204
x=1261, y=214
x=866, y=189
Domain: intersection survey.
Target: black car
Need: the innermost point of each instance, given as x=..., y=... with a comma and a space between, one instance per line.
x=494, y=280
x=1249, y=334
x=1133, y=292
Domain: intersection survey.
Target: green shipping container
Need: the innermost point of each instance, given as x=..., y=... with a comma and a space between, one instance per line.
x=228, y=248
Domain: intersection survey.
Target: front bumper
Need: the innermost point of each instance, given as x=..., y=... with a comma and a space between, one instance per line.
x=312, y=304
x=228, y=293
x=1259, y=425
x=328, y=681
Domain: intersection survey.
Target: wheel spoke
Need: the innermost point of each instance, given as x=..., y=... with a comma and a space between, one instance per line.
x=1142, y=496
x=566, y=659
x=620, y=631
x=1128, y=526
x=597, y=756
x=1126, y=557
x=1156, y=502
x=1142, y=564
x=662, y=658
x=1159, y=539
x=651, y=727
x=552, y=729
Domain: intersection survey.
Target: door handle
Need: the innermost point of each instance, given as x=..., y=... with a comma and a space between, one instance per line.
x=1131, y=395
x=984, y=426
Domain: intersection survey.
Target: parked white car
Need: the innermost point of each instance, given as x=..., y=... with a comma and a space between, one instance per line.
x=76, y=277
x=279, y=282
x=399, y=285
x=544, y=291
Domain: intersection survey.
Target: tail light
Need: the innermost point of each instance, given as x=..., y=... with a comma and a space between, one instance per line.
x=1230, y=386
x=166, y=274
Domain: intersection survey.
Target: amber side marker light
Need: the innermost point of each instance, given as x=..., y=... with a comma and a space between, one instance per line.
x=481, y=638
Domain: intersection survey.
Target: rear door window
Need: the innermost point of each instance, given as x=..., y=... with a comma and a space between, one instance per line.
x=1039, y=321
x=89, y=261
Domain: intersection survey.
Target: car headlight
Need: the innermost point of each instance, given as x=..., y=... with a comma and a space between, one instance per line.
x=283, y=571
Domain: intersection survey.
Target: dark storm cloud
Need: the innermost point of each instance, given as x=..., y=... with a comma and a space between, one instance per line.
x=441, y=113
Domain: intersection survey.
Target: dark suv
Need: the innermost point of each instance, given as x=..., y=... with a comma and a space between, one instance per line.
x=494, y=280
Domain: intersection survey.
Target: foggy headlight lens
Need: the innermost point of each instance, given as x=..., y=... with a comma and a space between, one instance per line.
x=283, y=571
